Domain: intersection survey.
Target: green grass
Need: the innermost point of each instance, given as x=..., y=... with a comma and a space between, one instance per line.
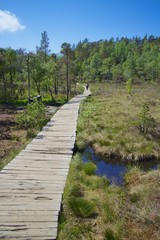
x=89, y=168
x=82, y=203
x=81, y=207
x=110, y=212
x=107, y=122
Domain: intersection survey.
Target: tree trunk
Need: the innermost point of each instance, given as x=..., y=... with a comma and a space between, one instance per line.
x=4, y=87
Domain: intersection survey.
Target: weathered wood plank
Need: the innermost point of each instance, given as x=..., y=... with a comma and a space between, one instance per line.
x=25, y=232
x=29, y=206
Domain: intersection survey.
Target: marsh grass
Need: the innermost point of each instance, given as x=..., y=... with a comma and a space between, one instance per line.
x=107, y=122
x=82, y=207
x=142, y=207
x=89, y=168
x=93, y=209
x=82, y=203
x=111, y=235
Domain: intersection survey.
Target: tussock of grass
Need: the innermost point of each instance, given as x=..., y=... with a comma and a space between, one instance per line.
x=111, y=235
x=89, y=168
x=82, y=207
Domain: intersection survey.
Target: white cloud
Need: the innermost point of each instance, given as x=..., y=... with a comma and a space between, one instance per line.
x=9, y=22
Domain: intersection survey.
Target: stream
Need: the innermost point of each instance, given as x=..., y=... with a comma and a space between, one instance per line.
x=114, y=169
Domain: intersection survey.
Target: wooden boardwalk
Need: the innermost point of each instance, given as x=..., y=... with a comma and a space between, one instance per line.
x=32, y=184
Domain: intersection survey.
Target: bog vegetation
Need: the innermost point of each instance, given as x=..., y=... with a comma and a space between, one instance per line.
x=93, y=209
x=121, y=126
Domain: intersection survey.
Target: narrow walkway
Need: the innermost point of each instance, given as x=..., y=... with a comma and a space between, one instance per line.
x=32, y=184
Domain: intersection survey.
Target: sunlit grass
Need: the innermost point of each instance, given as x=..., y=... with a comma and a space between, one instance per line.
x=107, y=119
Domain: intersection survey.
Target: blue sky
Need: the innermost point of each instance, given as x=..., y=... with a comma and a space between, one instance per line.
x=23, y=21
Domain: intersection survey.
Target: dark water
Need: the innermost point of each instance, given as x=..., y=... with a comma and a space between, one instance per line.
x=114, y=170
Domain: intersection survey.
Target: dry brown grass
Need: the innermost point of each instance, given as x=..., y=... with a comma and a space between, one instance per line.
x=143, y=205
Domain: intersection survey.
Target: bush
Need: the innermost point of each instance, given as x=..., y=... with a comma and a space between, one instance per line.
x=33, y=117
x=145, y=122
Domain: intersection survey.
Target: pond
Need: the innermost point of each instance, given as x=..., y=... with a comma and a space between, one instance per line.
x=114, y=169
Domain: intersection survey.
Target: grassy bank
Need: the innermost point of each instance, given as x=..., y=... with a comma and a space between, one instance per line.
x=120, y=125
x=86, y=204
x=93, y=209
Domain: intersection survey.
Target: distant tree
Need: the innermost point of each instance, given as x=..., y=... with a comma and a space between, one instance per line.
x=67, y=52
x=3, y=80
x=38, y=72
x=43, y=50
x=50, y=79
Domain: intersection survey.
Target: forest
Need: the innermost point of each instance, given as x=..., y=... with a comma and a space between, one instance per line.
x=24, y=75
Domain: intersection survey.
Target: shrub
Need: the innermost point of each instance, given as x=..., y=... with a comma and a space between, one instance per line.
x=32, y=117
x=129, y=86
x=145, y=122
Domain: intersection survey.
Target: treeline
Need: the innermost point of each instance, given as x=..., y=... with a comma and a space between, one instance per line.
x=120, y=59
x=24, y=75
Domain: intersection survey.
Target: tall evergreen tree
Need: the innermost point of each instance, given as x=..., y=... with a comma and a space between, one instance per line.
x=43, y=50
x=67, y=52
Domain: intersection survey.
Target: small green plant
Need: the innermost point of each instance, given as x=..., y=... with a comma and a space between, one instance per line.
x=75, y=191
x=110, y=235
x=89, y=168
x=81, y=207
x=129, y=86
x=109, y=212
x=33, y=117
x=145, y=122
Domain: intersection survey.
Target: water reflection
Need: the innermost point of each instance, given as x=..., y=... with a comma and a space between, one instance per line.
x=114, y=169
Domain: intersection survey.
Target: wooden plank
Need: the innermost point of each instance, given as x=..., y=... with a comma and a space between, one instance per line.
x=29, y=206
x=20, y=170
x=30, y=218
x=18, y=226
x=29, y=213
x=27, y=232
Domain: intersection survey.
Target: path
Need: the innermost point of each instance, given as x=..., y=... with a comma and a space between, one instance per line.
x=32, y=184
